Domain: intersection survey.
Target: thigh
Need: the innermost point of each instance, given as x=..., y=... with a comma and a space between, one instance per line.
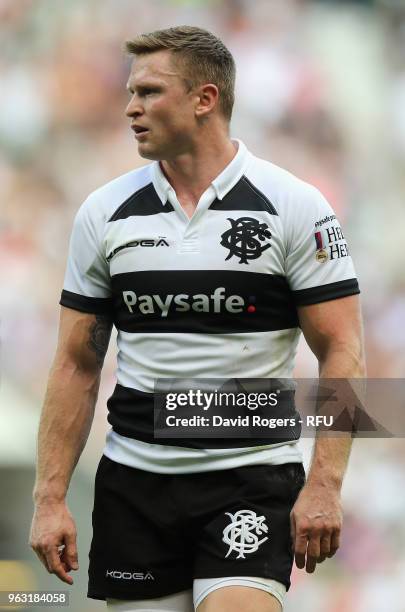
x=248, y=534
x=238, y=593
x=137, y=551
x=239, y=599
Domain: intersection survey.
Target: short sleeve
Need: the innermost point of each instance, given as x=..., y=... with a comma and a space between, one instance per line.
x=318, y=264
x=87, y=286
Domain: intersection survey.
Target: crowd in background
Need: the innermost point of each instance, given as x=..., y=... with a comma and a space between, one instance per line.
x=321, y=92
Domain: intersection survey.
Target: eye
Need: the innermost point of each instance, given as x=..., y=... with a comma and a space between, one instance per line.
x=149, y=91
x=143, y=91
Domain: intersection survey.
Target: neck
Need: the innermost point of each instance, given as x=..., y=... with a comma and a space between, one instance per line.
x=191, y=174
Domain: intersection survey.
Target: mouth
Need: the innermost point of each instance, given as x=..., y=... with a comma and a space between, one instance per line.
x=139, y=130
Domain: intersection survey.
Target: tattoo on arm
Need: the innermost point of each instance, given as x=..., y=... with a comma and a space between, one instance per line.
x=100, y=333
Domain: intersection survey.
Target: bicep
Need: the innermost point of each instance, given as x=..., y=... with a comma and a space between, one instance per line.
x=332, y=324
x=83, y=338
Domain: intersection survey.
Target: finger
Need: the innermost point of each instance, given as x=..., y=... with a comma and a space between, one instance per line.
x=70, y=552
x=313, y=552
x=42, y=558
x=292, y=531
x=301, y=543
x=334, y=542
x=325, y=545
x=62, y=553
x=55, y=565
x=66, y=564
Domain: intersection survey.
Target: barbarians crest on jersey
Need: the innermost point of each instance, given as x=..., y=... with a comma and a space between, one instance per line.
x=247, y=239
x=243, y=533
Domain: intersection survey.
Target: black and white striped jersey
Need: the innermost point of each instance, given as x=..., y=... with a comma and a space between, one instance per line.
x=211, y=296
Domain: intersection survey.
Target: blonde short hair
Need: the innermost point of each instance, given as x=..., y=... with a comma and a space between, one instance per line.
x=204, y=58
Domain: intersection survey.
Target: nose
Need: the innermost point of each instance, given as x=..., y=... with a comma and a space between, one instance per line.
x=134, y=108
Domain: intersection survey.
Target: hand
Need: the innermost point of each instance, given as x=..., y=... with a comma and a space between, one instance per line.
x=53, y=538
x=316, y=522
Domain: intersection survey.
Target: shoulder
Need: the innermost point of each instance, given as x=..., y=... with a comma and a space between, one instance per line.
x=103, y=203
x=289, y=195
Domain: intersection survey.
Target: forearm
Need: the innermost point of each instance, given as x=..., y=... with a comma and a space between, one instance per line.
x=333, y=330
x=331, y=454
x=329, y=461
x=64, y=428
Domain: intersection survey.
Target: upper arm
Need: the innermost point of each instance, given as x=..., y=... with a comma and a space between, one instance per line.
x=318, y=265
x=83, y=339
x=333, y=325
x=87, y=283
x=86, y=300
x=321, y=276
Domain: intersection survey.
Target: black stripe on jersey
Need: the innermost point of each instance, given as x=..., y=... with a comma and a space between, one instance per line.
x=202, y=301
x=143, y=202
x=244, y=196
x=131, y=414
x=323, y=293
x=83, y=303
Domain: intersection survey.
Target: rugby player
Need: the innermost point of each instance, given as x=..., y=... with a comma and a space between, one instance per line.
x=209, y=261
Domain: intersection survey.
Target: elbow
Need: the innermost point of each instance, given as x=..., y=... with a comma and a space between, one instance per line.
x=69, y=369
x=342, y=359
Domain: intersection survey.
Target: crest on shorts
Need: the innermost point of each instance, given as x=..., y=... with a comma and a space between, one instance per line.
x=243, y=533
x=247, y=239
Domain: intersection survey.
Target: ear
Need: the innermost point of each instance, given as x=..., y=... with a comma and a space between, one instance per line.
x=208, y=96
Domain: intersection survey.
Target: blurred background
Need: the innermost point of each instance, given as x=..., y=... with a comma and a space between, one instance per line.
x=321, y=92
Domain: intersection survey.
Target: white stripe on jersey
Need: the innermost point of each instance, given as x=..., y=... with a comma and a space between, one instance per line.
x=180, y=460
x=186, y=355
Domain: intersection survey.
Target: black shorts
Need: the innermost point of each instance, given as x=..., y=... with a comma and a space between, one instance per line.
x=154, y=533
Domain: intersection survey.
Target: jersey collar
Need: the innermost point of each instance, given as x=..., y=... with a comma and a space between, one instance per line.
x=222, y=184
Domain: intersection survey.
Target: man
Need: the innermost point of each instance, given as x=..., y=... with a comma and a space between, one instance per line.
x=208, y=261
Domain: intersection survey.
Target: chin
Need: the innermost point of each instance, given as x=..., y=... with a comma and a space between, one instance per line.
x=149, y=152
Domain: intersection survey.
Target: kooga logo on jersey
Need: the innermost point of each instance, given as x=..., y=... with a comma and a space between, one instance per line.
x=161, y=241
x=217, y=302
